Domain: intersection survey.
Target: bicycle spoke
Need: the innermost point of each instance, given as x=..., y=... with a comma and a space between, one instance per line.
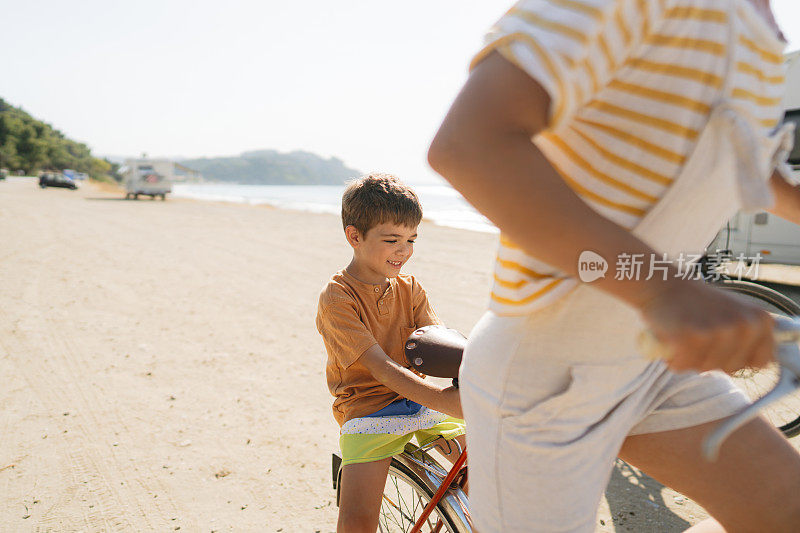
x=422, y=505
x=416, y=502
x=411, y=513
x=395, y=506
x=408, y=519
x=395, y=517
x=754, y=382
x=402, y=504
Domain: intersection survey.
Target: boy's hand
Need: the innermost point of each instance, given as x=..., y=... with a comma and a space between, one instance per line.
x=705, y=328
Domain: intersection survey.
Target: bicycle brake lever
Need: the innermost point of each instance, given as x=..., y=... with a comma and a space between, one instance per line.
x=787, y=338
x=787, y=330
x=788, y=382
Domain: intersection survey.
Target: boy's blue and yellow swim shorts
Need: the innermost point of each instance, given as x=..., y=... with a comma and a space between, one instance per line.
x=386, y=432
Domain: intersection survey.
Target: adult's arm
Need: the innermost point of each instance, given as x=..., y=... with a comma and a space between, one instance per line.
x=484, y=149
x=787, y=198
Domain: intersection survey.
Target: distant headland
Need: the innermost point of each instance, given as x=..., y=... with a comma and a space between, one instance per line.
x=29, y=145
x=270, y=167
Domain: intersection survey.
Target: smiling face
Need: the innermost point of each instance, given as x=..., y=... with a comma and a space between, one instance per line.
x=382, y=252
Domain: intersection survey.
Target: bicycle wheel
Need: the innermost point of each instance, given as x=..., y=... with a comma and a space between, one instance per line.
x=785, y=413
x=404, y=497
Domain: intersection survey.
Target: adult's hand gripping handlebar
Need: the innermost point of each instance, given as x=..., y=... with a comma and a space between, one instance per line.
x=787, y=354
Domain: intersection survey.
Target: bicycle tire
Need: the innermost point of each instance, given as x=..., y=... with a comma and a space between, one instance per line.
x=397, y=513
x=784, y=414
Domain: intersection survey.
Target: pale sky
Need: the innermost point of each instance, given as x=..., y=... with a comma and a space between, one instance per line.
x=366, y=81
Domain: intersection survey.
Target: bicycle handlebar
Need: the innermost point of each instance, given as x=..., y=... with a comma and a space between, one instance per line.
x=787, y=338
x=787, y=331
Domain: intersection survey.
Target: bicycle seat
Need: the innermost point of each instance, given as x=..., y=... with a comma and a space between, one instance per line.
x=435, y=351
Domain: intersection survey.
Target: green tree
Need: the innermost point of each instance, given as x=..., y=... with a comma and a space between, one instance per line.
x=31, y=149
x=31, y=145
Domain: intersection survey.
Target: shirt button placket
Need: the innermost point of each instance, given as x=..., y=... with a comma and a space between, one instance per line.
x=382, y=310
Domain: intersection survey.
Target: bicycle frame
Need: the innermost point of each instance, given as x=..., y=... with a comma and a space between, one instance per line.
x=459, y=468
x=447, y=491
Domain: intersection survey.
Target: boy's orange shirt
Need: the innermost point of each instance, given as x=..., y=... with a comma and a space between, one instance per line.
x=353, y=316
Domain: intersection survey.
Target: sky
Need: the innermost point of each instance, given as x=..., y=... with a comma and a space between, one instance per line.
x=365, y=81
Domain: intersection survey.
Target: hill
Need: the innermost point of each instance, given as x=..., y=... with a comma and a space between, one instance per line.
x=31, y=145
x=269, y=167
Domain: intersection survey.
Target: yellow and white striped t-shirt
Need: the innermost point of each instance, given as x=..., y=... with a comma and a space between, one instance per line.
x=631, y=83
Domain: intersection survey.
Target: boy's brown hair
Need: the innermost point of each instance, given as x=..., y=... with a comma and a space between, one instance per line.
x=377, y=198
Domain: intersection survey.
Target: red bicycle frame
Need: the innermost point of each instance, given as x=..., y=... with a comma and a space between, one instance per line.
x=457, y=469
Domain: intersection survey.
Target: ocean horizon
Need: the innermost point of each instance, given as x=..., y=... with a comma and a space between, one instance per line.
x=441, y=204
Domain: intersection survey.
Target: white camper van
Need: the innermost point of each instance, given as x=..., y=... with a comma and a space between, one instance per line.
x=154, y=177
x=777, y=240
x=147, y=177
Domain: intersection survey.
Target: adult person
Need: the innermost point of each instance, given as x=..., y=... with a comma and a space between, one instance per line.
x=624, y=129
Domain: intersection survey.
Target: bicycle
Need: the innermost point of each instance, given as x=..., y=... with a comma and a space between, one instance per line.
x=421, y=495
x=784, y=415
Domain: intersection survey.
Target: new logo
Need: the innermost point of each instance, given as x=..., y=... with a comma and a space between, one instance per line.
x=591, y=266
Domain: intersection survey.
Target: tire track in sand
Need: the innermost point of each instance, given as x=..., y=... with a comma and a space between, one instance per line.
x=56, y=371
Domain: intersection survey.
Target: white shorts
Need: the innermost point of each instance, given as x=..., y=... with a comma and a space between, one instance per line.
x=549, y=399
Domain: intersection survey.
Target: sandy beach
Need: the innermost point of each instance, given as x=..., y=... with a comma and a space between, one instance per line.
x=161, y=369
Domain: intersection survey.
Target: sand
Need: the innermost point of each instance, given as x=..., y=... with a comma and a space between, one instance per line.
x=161, y=369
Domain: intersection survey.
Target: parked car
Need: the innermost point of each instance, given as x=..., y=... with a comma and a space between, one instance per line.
x=56, y=179
x=75, y=175
x=3, y=173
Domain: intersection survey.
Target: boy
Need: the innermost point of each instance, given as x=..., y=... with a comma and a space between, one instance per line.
x=622, y=129
x=364, y=315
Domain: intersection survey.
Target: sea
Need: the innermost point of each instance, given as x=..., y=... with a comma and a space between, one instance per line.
x=441, y=204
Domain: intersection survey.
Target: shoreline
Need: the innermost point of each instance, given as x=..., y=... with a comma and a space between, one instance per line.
x=471, y=221
x=768, y=272
x=118, y=189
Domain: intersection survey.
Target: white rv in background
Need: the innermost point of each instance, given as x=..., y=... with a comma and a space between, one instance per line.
x=776, y=239
x=153, y=177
